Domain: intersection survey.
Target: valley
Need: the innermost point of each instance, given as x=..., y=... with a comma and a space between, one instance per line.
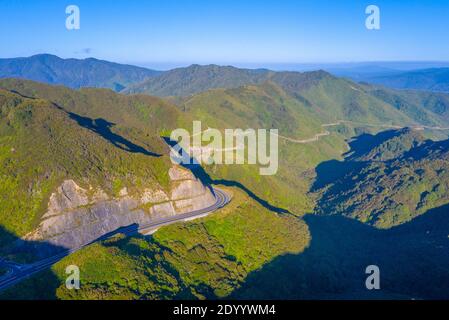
x=88, y=177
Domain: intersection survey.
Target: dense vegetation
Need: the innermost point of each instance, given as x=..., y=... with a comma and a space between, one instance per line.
x=196, y=78
x=206, y=258
x=102, y=138
x=295, y=103
x=399, y=178
x=42, y=145
x=267, y=106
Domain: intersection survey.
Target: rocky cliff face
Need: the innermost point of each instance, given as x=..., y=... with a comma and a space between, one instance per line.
x=77, y=216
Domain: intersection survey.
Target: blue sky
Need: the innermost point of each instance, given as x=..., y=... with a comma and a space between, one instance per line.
x=158, y=32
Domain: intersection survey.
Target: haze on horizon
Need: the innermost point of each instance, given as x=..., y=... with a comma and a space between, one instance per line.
x=167, y=34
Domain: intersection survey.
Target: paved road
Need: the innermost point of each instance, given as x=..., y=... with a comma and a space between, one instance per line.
x=21, y=272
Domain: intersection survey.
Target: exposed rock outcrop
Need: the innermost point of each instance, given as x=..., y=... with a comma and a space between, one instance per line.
x=77, y=216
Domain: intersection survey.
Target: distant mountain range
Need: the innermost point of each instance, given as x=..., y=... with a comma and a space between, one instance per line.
x=78, y=73
x=435, y=79
x=74, y=73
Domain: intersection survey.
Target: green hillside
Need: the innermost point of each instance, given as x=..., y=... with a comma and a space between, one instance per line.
x=400, y=178
x=99, y=137
x=268, y=106
x=327, y=97
x=143, y=119
x=425, y=107
x=339, y=99
x=196, y=78
x=142, y=113
x=207, y=258
x=297, y=104
x=42, y=145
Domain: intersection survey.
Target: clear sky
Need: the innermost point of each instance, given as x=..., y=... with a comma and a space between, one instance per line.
x=154, y=32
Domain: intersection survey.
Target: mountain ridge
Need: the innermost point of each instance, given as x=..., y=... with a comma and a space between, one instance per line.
x=74, y=73
x=432, y=79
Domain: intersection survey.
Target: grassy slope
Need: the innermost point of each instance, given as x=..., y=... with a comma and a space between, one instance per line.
x=426, y=107
x=297, y=104
x=145, y=116
x=340, y=99
x=268, y=106
x=195, y=79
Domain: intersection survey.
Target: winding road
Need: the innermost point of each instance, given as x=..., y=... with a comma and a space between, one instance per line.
x=19, y=272
x=317, y=136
